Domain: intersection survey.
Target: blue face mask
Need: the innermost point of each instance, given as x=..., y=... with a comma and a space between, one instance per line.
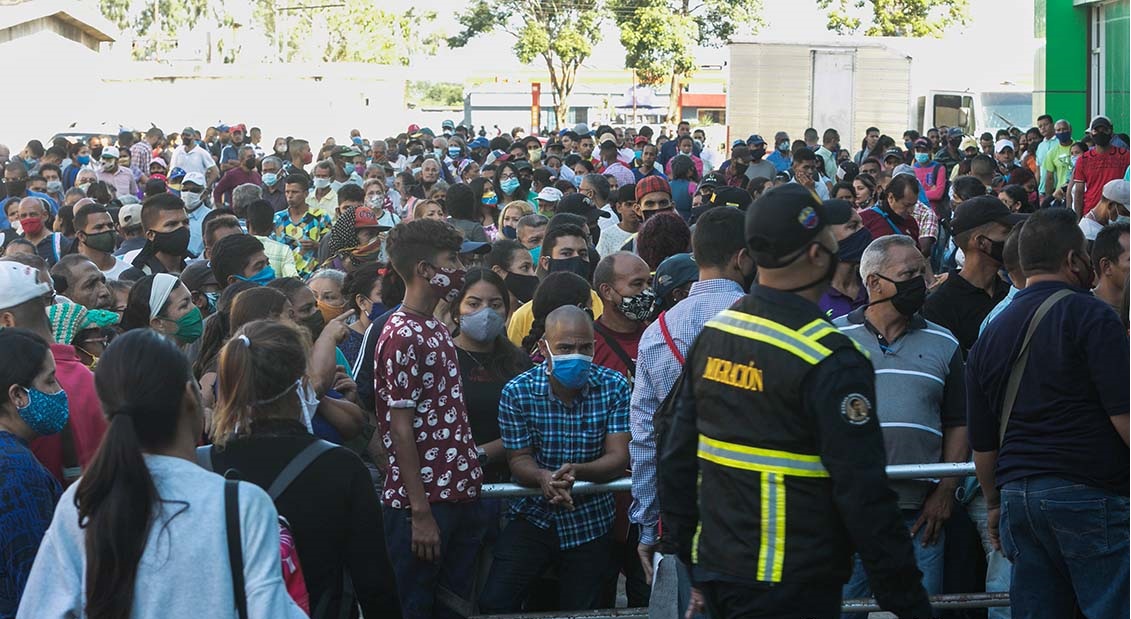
x=45, y=413
x=265, y=276
x=439, y=152
x=570, y=370
x=349, y=168
x=213, y=299
x=270, y=178
x=377, y=311
x=535, y=253
x=922, y=158
x=356, y=140
x=510, y=232
x=83, y=159
x=638, y=153
x=453, y=152
x=509, y=186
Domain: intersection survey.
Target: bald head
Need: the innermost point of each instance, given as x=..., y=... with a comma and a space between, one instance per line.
x=569, y=331
x=568, y=318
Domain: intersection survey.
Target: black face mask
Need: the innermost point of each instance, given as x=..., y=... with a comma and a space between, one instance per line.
x=909, y=295
x=997, y=251
x=521, y=286
x=852, y=248
x=313, y=323
x=576, y=265
x=758, y=153
x=173, y=243
x=15, y=188
x=1103, y=140
x=103, y=241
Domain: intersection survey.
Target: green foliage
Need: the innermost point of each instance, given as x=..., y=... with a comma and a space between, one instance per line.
x=561, y=32
x=895, y=18
x=435, y=94
x=137, y=16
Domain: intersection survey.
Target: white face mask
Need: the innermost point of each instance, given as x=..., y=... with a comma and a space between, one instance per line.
x=321, y=183
x=191, y=199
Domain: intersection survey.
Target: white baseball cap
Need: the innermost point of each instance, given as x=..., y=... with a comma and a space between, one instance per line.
x=1003, y=144
x=1118, y=190
x=193, y=177
x=20, y=284
x=129, y=216
x=110, y=152
x=550, y=194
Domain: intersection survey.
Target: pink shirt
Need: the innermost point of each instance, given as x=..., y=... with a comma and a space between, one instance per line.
x=88, y=425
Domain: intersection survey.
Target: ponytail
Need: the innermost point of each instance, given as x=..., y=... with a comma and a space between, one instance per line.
x=236, y=386
x=115, y=501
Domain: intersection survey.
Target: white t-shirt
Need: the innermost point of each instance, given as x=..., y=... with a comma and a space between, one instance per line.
x=608, y=222
x=196, y=160
x=1090, y=227
x=115, y=272
x=612, y=239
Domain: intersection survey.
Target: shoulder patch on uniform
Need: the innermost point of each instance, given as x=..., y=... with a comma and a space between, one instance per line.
x=856, y=409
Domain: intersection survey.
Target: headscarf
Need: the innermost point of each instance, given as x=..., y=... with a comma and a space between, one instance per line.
x=342, y=233
x=163, y=285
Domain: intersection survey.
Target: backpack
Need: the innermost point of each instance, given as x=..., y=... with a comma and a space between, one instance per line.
x=288, y=553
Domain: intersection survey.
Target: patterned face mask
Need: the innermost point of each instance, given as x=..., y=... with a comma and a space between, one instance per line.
x=45, y=413
x=640, y=307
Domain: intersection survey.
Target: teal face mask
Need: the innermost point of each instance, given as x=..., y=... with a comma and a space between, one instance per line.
x=45, y=413
x=265, y=276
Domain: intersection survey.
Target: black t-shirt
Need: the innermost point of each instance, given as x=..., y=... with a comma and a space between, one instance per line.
x=961, y=307
x=482, y=390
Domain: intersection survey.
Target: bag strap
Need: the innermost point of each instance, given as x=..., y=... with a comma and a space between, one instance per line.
x=235, y=544
x=1014, y=382
x=296, y=466
x=617, y=349
x=204, y=457
x=880, y=211
x=668, y=338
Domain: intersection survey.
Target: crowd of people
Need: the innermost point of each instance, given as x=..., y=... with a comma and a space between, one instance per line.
x=271, y=380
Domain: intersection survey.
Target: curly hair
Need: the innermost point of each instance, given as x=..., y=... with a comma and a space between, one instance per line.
x=419, y=240
x=556, y=290
x=662, y=236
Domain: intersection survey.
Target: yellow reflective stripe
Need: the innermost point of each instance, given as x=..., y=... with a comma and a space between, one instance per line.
x=811, y=351
x=771, y=547
x=733, y=455
x=820, y=328
x=698, y=527
x=782, y=330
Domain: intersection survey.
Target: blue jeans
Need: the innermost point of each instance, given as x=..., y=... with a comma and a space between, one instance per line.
x=1068, y=543
x=998, y=567
x=461, y=534
x=929, y=559
x=522, y=554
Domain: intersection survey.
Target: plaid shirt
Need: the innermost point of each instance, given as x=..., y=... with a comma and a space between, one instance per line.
x=656, y=372
x=313, y=225
x=531, y=416
x=141, y=153
x=927, y=220
x=283, y=259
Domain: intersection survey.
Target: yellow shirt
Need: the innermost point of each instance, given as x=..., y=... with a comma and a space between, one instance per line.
x=523, y=318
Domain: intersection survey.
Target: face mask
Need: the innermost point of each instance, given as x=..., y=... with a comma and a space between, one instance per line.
x=191, y=199
x=922, y=158
x=852, y=248
x=314, y=323
x=908, y=145
x=1073, y=159
x=321, y=183
x=83, y=159
x=173, y=243
x=997, y=250
x=534, y=154
x=446, y=283
x=265, y=276
x=638, y=153
x=83, y=187
x=330, y=312
x=640, y=307
x=349, y=168
x=576, y=181
x=190, y=326
x=483, y=325
x=16, y=188
x=570, y=370
x=509, y=231
x=335, y=185
x=909, y=295
x=109, y=165
x=357, y=140
x=103, y=241
x=376, y=311
x=213, y=298
x=536, y=253
x=54, y=186
x=783, y=147
x=521, y=286
x=1103, y=140
x=453, y=152
x=1064, y=137
x=270, y=178
x=416, y=171
x=825, y=278
x=1122, y=220
x=32, y=225
x=509, y=186
x=45, y=413
x=490, y=199
x=576, y=265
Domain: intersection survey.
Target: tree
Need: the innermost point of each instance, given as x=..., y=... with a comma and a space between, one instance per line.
x=896, y=18
x=561, y=32
x=350, y=32
x=171, y=16
x=660, y=36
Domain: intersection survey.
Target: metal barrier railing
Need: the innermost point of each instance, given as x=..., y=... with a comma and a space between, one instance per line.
x=897, y=471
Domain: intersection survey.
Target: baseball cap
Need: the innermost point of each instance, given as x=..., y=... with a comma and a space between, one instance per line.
x=129, y=216
x=1117, y=191
x=838, y=211
x=650, y=184
x=110, y=152
x=923, y=143
x=20, y=284
x=222, y=128
x=364, y=217
x=194, y=177
x=347, y=151
x=197, y=275
x=968, y=143
x=581, y=129
x=608, y=145
x=783, y=222
x=479, y=142
x=188, y=130
x=902, y=168
x=242, y=128
x=640, y=140
x=846, y=169
x=982, y=210
x=712, y=180
x=157, y=161
x=736, y=197
x=580, y=204
x=756, y=140
x=177, y=173
x=65, y=319
x=954, y=132
x=673, y=272
x=1003, y=144
x=1100, y=120
x=737, y=142
x=475, y=247
x=893, y=152
x=550, y=194
x=413, y=128
x=447, y=124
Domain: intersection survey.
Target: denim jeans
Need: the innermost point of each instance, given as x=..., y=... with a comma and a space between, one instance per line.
x=461, y=535
x=1068, y=543
x=524, y=551
x=998, y=567
x=929, y=559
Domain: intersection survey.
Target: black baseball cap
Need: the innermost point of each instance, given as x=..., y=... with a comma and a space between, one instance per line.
x=980, y=211
x=783, y=222
x=712, y=180
x=732, y=196
x=894, y=152
x=838, y=211
x=580, y=204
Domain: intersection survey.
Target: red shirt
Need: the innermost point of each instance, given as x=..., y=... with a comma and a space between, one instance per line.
x=88, y=425
x=882, y=222
x=1095, y=170
x=416, y=366
x=604, y=353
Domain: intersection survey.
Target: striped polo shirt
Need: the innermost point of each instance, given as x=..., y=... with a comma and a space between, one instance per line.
x=920, y=390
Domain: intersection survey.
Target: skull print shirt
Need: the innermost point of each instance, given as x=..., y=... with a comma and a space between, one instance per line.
x=416, y=368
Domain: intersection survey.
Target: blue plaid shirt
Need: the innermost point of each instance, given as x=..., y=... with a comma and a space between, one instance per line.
x=531, y=416
x=656, y=372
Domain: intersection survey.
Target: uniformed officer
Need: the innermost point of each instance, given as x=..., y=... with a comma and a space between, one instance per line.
x=772, y=473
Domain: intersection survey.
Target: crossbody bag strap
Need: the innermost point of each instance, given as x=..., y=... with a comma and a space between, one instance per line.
x=617, y=349
x=1014, y=383
x=235, y=543
x=668, y=338
x=880, y=211
x=296, y=466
